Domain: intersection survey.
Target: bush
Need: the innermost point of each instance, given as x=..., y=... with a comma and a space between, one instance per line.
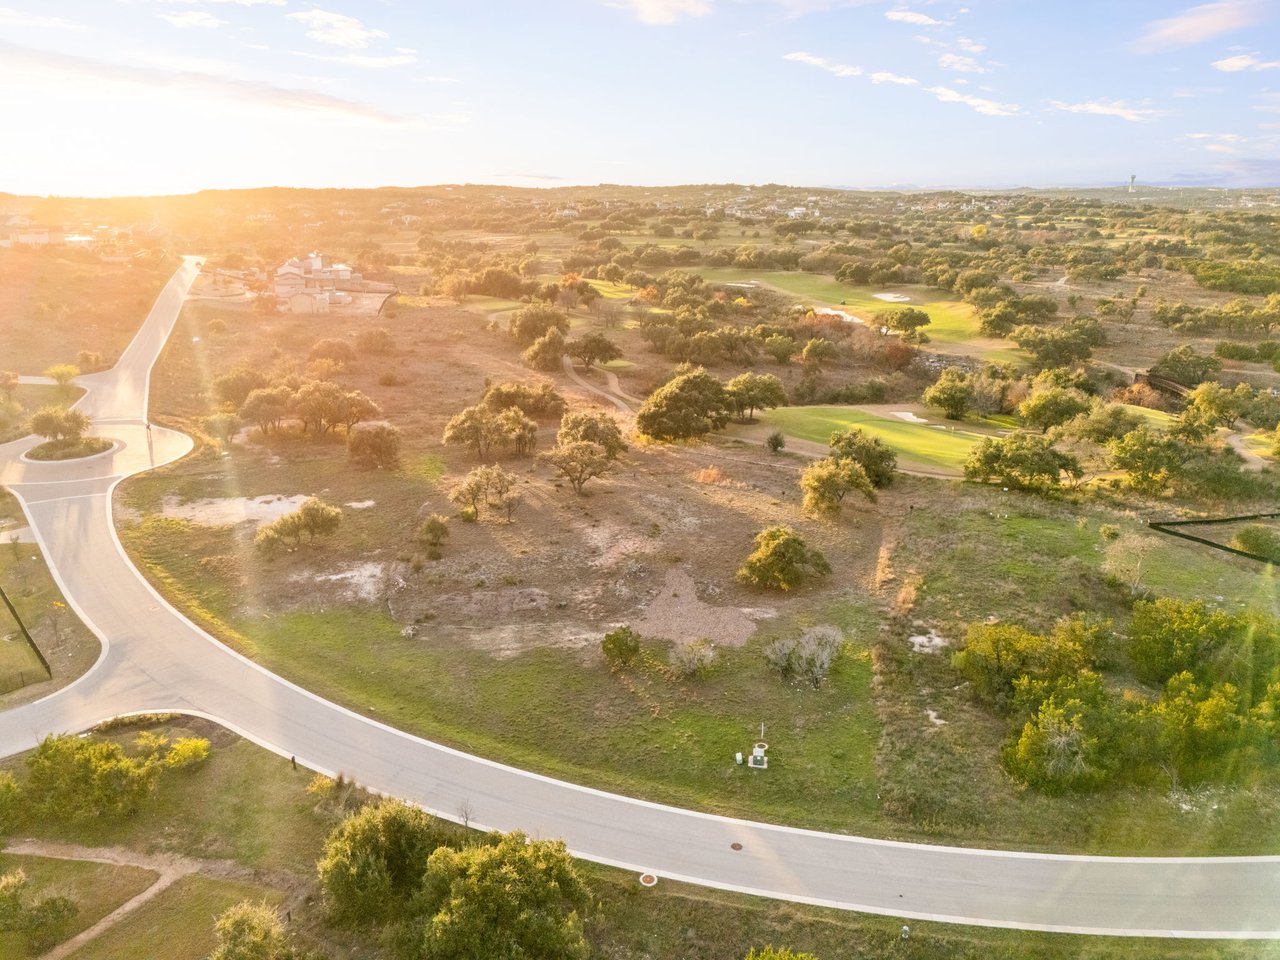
x=1258, y=540
x=250, y=931
x=692, y=660
x=187, y=752
x=781, y=561
x=620, y=646
x=808, y=656
x=377, y=340
x=775, y=442
x=339, y=351
x=374, y=444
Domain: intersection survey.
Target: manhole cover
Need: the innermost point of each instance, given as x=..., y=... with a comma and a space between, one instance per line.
x=647, y=880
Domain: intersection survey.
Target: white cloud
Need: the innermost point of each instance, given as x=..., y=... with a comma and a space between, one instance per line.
x=369, y=61
x=1216, y=137
x=238, y=3
x=1199, y=24
x=17, y=18
x=910, y=16
x=337, y=29
x=959, y=63
x=1108, y=108
x=1245, y=61
x=839, y=69
x=661, y=12
x=970, y=46
x=197, y=19
x=884, y=77
x=436, y=80
x=244, y=92
x=991, y=108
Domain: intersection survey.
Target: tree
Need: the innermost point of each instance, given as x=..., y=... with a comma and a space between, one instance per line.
x=267, y=407
x=547, y=352
x=374, y=861
x=818, y=351
x=250, y=931
x=234, y=387
x=1054, y=348
x=355, y=407
x=779, y=347
x=593, y=348
x=375, y=444
x=825, y=483
x=319, y=404
x=1185, y=365
x=876, y=458
x=62, y=374
x=533, y=322
x=620, y=646
x=579, y=461
x=489, y=485
x=1021, y=460
x=781, y=561
x=57, y=423
x=313, y=519
x=514, y=431
x=690, y=405
x=1149, y=459
x=952, y=393
x=1168, y=636
x=474, y=427
x=749, y=392
x=594, y=426
x=539, y=401
x=906, y=320
x=8, y=383
x=1052, y=407
x=513, y=899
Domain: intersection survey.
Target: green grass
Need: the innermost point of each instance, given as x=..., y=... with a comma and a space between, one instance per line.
x=916, y=442
x=1157, y=419
x=1261, y=442
x=177, y=924
x=613, y=291
x=953, y=324
x=95, y=888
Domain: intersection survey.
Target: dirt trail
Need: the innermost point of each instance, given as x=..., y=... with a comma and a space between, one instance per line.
x=168, y=867
x=1253, y=462
x=573, y=375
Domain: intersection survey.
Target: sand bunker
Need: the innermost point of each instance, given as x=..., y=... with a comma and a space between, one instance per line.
x=908, y=416
x=677, y=614
x=843, y=315
x=230, y=510
x=892, y=297
x=362, y=504
x=930, y=642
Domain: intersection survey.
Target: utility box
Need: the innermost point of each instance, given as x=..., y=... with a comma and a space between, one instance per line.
x=757, y=760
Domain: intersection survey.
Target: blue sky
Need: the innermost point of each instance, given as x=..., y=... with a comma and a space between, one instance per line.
x=156, y=96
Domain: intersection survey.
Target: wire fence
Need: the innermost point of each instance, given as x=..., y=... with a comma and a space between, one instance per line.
x=1167, y=527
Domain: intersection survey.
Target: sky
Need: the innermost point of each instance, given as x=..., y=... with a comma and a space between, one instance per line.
x=128, y=97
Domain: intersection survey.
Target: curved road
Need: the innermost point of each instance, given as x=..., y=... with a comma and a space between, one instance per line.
x=154, y=659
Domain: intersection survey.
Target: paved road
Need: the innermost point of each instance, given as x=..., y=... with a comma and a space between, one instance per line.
x=156, y=660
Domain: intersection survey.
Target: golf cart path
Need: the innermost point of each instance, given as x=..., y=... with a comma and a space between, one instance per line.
x=156, y=660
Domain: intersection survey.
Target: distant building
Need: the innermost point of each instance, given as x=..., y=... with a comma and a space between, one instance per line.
x=310, y=285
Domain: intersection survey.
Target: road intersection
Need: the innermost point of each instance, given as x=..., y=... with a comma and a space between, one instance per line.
x=156, y=660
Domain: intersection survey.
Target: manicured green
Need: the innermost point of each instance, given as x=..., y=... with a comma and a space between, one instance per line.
x=953, y=324
x=919, y=443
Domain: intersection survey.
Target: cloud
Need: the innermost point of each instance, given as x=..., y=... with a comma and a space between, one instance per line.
x=337, y=29
x=436, y=79
x=1198, y=24
x=661, y=12
x=1244, y=61
x=959, y=63
x=248, y=92
x=1108, y=108
x=193, y=19
x=238, y=3
x=17, y=18
x=885, y=77
x=970, y=46
x=910, y=16
x=366, y=60
x=991, y=108
x=839, y=69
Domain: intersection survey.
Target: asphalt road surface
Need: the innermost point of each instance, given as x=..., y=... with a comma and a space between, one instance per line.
x=154, y=659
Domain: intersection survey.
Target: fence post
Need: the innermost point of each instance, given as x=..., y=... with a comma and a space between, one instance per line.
x=25, y=633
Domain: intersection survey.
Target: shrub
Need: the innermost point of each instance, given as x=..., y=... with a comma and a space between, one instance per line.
x=692, y=660
x=808, y=656
x=187, y=752
x=374, y=444
x=781, y=561
x=620, y=646
x=1258, y=540
x=775, y=442
x=377, y=340
x=339, y=351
